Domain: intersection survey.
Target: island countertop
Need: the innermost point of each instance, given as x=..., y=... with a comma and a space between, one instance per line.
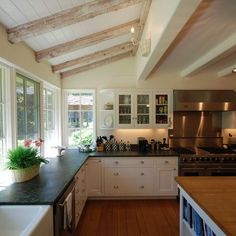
x=216, y=196
x=54, y=178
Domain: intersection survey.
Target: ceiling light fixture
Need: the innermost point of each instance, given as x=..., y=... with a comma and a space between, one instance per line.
x=234, y=70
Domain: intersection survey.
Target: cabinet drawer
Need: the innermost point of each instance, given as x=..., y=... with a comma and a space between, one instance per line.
x=129, y=162
x=166, y=161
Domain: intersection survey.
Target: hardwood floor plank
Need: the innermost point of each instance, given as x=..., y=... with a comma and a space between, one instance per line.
x=129, y=218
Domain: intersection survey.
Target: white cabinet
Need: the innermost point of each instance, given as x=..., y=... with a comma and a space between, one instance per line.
x=134, y=109
x=80, y=193
x=166, y=170
x=94, y=177
x=128, y=176
x=163, y=109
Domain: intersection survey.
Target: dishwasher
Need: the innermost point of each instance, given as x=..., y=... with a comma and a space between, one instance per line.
x=61, y=226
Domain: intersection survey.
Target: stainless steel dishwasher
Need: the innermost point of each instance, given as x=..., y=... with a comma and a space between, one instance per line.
x=59, y=214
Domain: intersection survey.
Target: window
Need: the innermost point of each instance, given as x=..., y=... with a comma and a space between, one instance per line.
x=80, y=118
x=50, y=122
x=27, y=97
x=2, y=131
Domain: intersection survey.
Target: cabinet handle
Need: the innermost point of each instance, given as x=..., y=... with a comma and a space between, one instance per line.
x=99, y=160
x=166, y=162
x=116, y=187
x=142, y=174
x=142, y=186
x=174, y=169
x=116, y=174
x=142, y=162
x=116, y=162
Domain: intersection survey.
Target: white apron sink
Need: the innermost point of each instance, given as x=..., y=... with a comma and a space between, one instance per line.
x=26, y=220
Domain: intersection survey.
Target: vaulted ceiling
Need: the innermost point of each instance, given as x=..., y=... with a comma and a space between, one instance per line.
x=79, y=35
x=75, y=35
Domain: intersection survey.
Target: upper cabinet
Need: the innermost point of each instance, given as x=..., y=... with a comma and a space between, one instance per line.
x=135, y=109
x=163, y=109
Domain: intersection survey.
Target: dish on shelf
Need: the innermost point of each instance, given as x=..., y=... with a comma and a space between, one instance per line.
x=108, y=121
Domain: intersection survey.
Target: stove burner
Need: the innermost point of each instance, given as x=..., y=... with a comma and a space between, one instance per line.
x=218, y=150
x=181, y=150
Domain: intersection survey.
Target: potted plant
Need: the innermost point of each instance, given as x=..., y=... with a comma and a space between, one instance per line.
x=24, y=161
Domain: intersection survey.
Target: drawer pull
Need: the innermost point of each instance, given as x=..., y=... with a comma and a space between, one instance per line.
x=142, y=187
x=99, y=160
x=174, y=169
x=166, y=162
x=116, y=187
x=142, y=174
x=116, y=174
x=116, y=162
x=142, y=162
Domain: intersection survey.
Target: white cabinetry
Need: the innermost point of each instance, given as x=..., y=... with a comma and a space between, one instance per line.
x=128, y=176
x=166, y=170
x=134, y=109
x=80, y=193
x=94, y=177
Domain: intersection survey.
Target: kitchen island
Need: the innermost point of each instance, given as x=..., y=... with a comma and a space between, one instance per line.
x=212, y=200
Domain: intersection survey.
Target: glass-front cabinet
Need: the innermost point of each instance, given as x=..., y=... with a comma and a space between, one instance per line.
x=134, y=110
x=163, y=109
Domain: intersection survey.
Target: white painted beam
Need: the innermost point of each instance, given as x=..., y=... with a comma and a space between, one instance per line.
x=213, y=55
x=165, y=23
x=226, y=71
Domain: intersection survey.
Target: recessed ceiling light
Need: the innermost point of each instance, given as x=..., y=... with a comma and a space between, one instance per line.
x=234, y=70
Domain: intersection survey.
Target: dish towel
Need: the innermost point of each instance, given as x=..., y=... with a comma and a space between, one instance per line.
x=68, y=212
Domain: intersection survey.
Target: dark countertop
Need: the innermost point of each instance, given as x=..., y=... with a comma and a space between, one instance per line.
x=48, y=186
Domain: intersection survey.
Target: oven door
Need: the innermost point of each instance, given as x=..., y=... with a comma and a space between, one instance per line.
x=191, y=171
x=221, y=171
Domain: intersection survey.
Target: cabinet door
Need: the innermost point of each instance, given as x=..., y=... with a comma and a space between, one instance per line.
x=143, y=110
x=163, y=109
x=166, y=184
x=94, y=177
x=125, y=110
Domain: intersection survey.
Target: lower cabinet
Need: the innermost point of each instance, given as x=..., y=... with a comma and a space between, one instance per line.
x=94, y=177
x=80, y=193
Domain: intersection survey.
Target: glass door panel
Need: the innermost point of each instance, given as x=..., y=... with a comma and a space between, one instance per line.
x=143, y=109
x=161, y=109
x=124, y=109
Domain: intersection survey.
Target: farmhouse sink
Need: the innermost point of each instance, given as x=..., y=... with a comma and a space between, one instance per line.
x=25, y=220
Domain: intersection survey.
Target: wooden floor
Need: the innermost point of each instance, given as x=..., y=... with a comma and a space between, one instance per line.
x=129, y=218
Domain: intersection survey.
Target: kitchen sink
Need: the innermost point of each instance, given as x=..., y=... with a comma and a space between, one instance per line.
x=25, y=220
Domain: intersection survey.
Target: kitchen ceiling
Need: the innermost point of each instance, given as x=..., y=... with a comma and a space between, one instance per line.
x=78, y=35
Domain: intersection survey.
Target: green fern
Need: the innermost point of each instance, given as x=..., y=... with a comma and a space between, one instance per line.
x=22, y=157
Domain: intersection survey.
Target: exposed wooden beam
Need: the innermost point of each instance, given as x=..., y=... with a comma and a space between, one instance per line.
x=211, y=56
x=100, y=55
x=143, y=18
x=67, y=17
x=95, y=64
x=86, y=41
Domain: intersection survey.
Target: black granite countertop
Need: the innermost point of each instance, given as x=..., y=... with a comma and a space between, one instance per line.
x=55, y=177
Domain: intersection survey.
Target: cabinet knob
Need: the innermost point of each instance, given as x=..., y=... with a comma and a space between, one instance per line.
x=174, y=169
x=116, y=174
x=99, y=160
x=116, y=187
x=116, y=162
x=142, y=174
x=142, y=162
x=142, y=187
x=166, y=162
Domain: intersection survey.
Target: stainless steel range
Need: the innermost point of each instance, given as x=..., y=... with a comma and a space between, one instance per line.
x=215, y=161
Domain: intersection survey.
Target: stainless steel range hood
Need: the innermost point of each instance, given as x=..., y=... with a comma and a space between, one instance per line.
x=204, y=100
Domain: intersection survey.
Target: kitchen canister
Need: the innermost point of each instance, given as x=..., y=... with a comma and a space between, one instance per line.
x=114, y=146
x=107, y=146
x=122, y=146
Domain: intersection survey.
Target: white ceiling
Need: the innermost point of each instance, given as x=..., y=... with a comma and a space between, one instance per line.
x=208, y=40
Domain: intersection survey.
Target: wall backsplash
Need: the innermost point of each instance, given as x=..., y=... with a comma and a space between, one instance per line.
x=131, y=135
